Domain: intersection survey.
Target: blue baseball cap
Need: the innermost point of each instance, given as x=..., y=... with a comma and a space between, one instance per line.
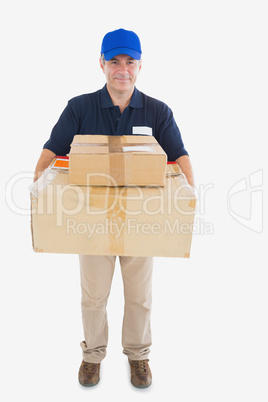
x=121, y=42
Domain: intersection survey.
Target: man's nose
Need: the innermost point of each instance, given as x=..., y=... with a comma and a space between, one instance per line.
x=123, y=68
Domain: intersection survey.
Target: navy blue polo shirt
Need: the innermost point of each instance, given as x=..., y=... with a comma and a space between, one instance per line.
x=95, y=113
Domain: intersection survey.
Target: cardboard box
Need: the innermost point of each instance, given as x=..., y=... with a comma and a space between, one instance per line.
x=130, y=221
x=128, y=160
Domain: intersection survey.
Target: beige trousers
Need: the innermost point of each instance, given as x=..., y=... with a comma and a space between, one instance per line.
x=96, y=279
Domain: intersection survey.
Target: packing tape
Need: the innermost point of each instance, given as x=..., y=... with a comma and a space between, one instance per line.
x=116, y=164
x=108, y=199
x=118, y=146
x=116, y=217
x=46, y=178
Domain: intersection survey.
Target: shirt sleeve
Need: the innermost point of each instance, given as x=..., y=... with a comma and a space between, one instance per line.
x=168, y=134
x=63, y=132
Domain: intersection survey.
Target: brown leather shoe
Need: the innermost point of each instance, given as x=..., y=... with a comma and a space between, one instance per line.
x=89, y=374
x=141, y=376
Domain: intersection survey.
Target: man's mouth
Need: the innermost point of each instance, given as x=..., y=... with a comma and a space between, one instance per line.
x=122, y=78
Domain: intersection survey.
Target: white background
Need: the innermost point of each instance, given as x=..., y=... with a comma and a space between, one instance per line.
x=208, y=61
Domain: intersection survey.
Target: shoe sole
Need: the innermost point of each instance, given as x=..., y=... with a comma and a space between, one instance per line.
x=141, y=386
x=88, y=385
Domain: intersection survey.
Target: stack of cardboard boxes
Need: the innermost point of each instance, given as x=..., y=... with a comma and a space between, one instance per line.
x=118, y=196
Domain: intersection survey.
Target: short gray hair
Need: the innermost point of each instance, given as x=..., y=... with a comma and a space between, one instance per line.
x=102, y=59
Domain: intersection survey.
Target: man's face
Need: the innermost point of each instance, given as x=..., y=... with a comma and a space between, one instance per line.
x=121, y=73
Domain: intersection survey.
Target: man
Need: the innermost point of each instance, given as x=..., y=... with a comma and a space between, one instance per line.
x=117, y=109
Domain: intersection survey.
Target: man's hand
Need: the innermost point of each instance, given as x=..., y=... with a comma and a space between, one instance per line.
x=43, y=162
x=185, y=165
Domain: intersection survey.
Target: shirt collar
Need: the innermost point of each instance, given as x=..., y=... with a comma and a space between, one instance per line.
x=136, y=101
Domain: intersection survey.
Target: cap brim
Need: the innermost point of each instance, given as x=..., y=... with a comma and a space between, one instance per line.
x=122, y=50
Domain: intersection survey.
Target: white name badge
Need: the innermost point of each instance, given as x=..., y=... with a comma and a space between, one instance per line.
x=142, y=130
